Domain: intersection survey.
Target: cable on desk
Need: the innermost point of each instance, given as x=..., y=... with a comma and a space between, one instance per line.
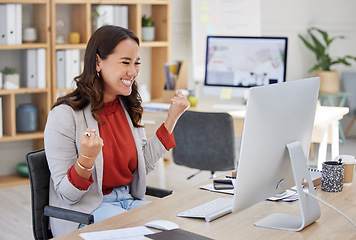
x=327, y=204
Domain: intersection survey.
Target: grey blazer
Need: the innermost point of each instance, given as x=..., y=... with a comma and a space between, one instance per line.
x=63, y=131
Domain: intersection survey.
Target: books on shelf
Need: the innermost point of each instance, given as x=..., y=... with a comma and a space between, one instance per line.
x=68, y=67
x=171, y=70
x=10, y=24
x=34, y=68
x=112, y=15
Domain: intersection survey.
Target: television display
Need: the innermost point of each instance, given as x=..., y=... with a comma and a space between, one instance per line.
x=233, y=61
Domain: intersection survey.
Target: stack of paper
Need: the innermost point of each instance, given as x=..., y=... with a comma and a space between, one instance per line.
x=34, y=68
x=10, y=24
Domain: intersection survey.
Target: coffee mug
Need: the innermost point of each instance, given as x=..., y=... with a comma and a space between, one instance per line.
x=349, y=162
x=332, y=176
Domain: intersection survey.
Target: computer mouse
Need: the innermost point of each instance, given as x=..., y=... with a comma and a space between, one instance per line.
x=162, y=225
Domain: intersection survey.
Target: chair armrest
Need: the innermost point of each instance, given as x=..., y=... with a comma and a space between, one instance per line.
x=158, y=192
x=68, y=215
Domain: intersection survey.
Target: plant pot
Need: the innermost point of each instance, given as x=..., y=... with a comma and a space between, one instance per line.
x=148, y=33
x=329, y=82
x=11, y=81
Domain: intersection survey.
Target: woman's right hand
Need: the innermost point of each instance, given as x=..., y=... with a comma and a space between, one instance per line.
x=91, y=145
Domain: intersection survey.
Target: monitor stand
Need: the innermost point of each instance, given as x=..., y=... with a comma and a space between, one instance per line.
x=309, y=206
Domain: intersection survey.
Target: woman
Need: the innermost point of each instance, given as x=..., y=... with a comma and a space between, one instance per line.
x=96, y=147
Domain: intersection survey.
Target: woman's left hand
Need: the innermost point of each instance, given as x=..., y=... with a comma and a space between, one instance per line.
x=179, y=104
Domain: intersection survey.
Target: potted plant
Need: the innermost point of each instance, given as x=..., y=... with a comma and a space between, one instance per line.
x=148, y=30
x=11, y=78
x=319, y=44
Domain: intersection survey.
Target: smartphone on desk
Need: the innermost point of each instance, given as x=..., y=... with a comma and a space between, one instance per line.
x=223, y=184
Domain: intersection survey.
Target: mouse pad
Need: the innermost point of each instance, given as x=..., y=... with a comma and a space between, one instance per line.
x=176, y=234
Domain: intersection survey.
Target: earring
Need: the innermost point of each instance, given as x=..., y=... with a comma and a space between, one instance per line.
x=97, y=73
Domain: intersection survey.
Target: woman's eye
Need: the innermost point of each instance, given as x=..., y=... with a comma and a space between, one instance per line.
x=126, y=63
x=138, y=63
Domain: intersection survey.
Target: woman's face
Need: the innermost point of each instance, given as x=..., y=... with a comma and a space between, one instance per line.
x=120, y=69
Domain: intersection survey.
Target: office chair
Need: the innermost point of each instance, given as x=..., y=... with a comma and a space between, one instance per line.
x=349, y=86
x=205, y=141
x=39, y=175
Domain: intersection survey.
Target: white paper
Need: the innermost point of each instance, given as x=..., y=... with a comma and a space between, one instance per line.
x=156, y=106
x=123, y=233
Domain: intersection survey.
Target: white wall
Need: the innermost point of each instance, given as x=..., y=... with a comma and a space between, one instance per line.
x=285, y=18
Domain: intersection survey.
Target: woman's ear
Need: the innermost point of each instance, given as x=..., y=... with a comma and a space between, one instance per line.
x=97, y=63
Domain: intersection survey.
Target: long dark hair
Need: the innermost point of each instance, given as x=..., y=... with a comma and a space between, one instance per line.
x=90, y=85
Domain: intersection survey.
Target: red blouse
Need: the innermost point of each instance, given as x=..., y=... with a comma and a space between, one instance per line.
x=119, y=150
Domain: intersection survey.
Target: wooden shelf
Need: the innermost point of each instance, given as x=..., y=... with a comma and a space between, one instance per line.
x=13, y=180
x=40, y=97
x=44, y=20
x=22, y=136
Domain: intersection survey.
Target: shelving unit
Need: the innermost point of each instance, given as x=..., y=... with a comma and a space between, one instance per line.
x=41, y=98
x=81, y=11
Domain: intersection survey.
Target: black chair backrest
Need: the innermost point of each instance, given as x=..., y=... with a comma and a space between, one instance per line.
x=39, y=179
x=205, y=141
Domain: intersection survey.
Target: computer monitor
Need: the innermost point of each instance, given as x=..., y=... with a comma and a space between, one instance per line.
x=274, y=150
x=243, y=62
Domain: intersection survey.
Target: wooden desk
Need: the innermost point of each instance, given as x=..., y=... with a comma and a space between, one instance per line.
x=326, y=126
x=331, y=225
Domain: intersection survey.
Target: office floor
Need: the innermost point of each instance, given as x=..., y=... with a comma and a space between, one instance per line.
x=15, y=202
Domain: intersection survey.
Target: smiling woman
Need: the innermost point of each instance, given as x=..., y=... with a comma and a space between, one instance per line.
x=96, y=147
x=119, y=69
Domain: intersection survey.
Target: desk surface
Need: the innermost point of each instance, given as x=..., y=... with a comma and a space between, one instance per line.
x=331, y=224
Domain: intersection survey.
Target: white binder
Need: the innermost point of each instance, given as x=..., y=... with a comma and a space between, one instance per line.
x=3, y=24
x=1, y=125
x=124, y=12
x=72, y=66
x=106, y=15
x=7, y=24
x=18, y=23
x=11, y=23
x=41, y=68
x=30, y=68
x=61, y=69
x=75, y=63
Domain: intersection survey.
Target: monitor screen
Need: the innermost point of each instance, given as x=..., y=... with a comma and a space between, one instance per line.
x=245, y=61
x=276, y=116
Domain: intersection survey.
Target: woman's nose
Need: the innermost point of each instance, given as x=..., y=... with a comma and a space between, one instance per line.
x=132, y=71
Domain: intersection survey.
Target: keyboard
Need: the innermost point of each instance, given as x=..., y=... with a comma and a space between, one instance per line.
x=210, y=210
x=229, y=107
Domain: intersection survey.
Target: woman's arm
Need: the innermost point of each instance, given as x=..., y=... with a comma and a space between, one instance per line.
x=179, y=104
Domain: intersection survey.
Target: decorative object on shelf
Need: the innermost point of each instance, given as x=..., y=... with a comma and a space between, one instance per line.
x=26, y=118
x=11, y=79
x=148, y=29
x=29, y=35
x=329, y=79
x=22, y=169
x=60, y=29
x=94, y=17
x=74, y=38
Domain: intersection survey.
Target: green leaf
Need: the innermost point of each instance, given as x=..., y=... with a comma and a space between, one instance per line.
x=321, y=49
